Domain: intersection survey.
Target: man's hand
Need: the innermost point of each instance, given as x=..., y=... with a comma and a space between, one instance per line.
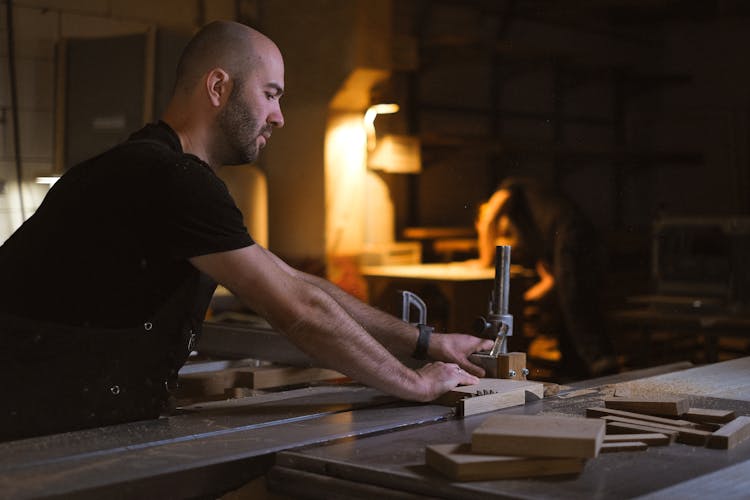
x=438, y=378
x=456, y=348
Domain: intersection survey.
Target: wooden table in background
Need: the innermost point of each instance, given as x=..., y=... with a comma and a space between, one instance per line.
x=455, y=293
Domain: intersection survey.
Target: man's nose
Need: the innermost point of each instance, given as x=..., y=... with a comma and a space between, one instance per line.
x=276, y=118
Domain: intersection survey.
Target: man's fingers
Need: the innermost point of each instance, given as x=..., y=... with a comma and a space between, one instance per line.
x=473, y=369
x=486, y=345
x=464, y=377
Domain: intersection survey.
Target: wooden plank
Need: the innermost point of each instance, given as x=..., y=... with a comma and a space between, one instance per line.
x=650, y=438
x=604, y=412
x=731, y=434
x=624, y=428
x=684, y=434
x=218, y=382
x=490, y=402
x=459, y=463
x=538, y=435
x=703, y=415
x=491, y=394
x=667, y=406
x=277, y=376
x=623, y=446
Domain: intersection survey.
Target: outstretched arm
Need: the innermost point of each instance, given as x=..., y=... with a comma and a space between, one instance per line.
x=395, y=335
x=321, y=327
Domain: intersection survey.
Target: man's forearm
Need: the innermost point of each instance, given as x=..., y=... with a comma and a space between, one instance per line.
x=397, y=336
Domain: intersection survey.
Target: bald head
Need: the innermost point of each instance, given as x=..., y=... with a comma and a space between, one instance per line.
x=225, y=103
x=231, y=46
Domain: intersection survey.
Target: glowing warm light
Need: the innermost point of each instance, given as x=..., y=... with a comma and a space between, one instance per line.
x=51, y=179
x=345, y=184
x=370, y=114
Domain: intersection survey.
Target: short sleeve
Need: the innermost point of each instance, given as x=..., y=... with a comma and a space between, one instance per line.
x=200, y=216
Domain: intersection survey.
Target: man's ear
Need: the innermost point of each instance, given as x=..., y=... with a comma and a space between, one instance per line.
x=218, y=86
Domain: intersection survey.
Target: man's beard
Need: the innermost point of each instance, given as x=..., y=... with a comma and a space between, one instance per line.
x=240, y=131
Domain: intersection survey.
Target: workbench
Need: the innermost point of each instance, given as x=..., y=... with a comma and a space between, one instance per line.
x=348, y=441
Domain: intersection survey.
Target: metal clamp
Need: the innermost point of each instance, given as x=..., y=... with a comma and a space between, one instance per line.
x=412, y=299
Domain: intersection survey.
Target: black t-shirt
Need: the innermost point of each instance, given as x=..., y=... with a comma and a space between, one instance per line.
x=110, y=242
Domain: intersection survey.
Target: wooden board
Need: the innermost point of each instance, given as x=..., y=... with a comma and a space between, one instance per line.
x=650, y=438
x=491, y=394
x=219, y=382
x=623, y=446
x=703, y=415
x=277, y=376
x=685, y=435
x=540, y=436
x=604, y=412
x=666, y=406
x=623, y=428
x=458, y=462
x=731, y=434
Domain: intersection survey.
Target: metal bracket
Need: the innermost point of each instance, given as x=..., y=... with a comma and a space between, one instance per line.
x=412, y=299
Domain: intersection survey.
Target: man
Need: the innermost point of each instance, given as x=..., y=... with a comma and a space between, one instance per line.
x=554, y=237
x=105, y=287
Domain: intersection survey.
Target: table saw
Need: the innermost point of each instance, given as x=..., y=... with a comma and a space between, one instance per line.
x=347, y=441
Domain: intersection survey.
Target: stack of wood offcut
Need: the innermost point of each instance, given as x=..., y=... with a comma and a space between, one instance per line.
x=636, y=423
x=512, y=446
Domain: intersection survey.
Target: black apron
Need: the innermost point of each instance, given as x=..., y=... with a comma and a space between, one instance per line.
x=56, y=378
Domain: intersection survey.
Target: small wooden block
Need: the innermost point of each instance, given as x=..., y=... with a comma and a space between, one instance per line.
x=457, y=462
x=650, y=438
x=703, y=415
x=667, y=406
x=538, y=436
x=502, y=365
x=731, y=434
x=686, y=435
x=605, y=412
x=511, y=365
x=624, y=446
x=623, y=428
x=491, y=394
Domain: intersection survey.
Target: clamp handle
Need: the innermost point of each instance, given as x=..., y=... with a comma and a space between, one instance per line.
x=412, y=299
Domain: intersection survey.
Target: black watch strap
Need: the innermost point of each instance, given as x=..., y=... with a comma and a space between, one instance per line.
x=423, y=341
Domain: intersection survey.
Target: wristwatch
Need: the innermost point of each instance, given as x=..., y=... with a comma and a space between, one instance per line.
x=423, y=341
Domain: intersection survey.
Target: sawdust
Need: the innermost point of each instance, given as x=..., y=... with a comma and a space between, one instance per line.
x=580, y=392
x=651, y=388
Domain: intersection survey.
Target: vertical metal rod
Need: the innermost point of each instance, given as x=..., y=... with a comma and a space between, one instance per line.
x=502, y=280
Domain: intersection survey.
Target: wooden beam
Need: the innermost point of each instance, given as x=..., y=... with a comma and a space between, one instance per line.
x=667, y=406
x=459, y=463
x=686, y=435
x=605, y=412
x=731, y=434
x=623, y=446
x=703, y=415
x=277, y=376
x=650, y=438
x=490, y=394
x=539, y=436
x=624, y=428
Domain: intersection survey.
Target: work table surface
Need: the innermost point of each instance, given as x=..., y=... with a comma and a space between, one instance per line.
x=352, y=441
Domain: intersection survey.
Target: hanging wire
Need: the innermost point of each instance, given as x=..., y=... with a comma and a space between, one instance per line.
x=14, y=102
